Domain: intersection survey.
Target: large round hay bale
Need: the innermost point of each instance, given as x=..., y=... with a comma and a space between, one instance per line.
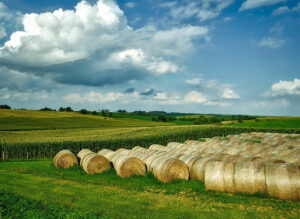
x=123, y=151
x=64, y=159
x=198, y=168
x=249, y=177
x=157, y=147
x=103, y=151
x=127, y=166
x=153, y=156
x=95, y=163
x=138, y=148
x=283, y=180
x=108, y=154
x=83, y=153
x=168, y=169
x=219, y=176
x=188, y=159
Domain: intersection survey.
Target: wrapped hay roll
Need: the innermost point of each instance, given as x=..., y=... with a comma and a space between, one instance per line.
x=108, y=154
x=283, y=180
x=219, y=176
x=198, y=169
x=188, y=159
x=157, y=147
x=127, y=166
x=249, y=177
x=81, y=154
x=123, y=151
x=95, y=163
x=168, y=169
x=138, y=148
x=64, y=159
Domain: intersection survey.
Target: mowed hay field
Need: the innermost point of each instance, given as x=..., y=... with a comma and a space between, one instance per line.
x=36, y=189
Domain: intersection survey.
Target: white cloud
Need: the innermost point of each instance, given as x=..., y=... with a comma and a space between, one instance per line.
x=130, y=5
x=64, y=36
x=227, y=19
x=195, y=97
x=96, y=39
x=167, y=4
x=96, y=97
x=203, y=10
x=285, y=88
x=230, y=94
x=160, y=96
x=273, y=43
x=195, y=81
x=286, y=9
x=250, y=4
x=277, y=28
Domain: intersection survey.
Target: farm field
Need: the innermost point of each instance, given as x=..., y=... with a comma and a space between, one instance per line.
x=30, y=186
x=271, y=122
x=42, y=190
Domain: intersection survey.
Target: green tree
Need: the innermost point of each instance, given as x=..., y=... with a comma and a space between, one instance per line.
x=94, y=113
x=83, y=111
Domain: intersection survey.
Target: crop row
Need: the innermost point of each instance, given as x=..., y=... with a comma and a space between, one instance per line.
x=38, y=150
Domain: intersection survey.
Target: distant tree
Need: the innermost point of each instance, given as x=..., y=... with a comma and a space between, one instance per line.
x=171, y=118
x=214, y=120
x=122, y=111
x=5, y=106
x=240, y=119
x=83, y=111
x=201, y=120
x=61, y=109
x=47, y=109
x=154, y=118
x=110, y=114
x=69, y=109
x=162, y=117
x=103, y=113
x=95, y=113
x=233, y=117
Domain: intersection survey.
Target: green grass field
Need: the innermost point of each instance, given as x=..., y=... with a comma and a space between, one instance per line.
x=43, y=191
x=16, y=120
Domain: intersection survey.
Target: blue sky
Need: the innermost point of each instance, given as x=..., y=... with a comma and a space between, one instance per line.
x=205, y=56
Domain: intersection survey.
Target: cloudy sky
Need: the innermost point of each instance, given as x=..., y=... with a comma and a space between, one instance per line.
x=202, y=56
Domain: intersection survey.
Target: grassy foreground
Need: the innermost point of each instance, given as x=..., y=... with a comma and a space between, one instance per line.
x=37, y=189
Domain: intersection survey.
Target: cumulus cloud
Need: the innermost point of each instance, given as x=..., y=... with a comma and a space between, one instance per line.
x=96, y=97
x=195, y=97
x=250, y=4
x=230, y=94
x=286, y=9
x=202, y=10
x=194, y=81
x=93, y=45
x=273, y=43
x=285, y=88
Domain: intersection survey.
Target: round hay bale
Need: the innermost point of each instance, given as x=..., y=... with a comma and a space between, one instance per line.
x=168, y=169
x=219, y=176
x=138, y=148
x=249, y=177
x=153, y=156
x=283, y=180
x=127, y=166
x=95, y=163
x=83, y=153
x=103, y=151
x=198, y=169
x=64, y=159
x=157, y=147
x=188, y=159
x=123, y=151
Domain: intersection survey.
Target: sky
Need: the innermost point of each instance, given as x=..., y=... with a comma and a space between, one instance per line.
x=202, y=56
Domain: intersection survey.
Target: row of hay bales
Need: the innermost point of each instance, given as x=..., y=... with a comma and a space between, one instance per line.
x=230, y=165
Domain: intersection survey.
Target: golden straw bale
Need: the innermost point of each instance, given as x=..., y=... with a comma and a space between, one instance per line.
x=95, y=163
x=81, y=154
x=249, y=177
x=168, y=169
x=127, y=166
x=283, y=180
x=188, y=159
x=123, y=151
x=198, y=168
x=158, y=147
x=64, y=159
x=219, y=176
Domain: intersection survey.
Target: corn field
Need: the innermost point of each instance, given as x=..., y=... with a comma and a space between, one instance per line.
x=39, y=149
